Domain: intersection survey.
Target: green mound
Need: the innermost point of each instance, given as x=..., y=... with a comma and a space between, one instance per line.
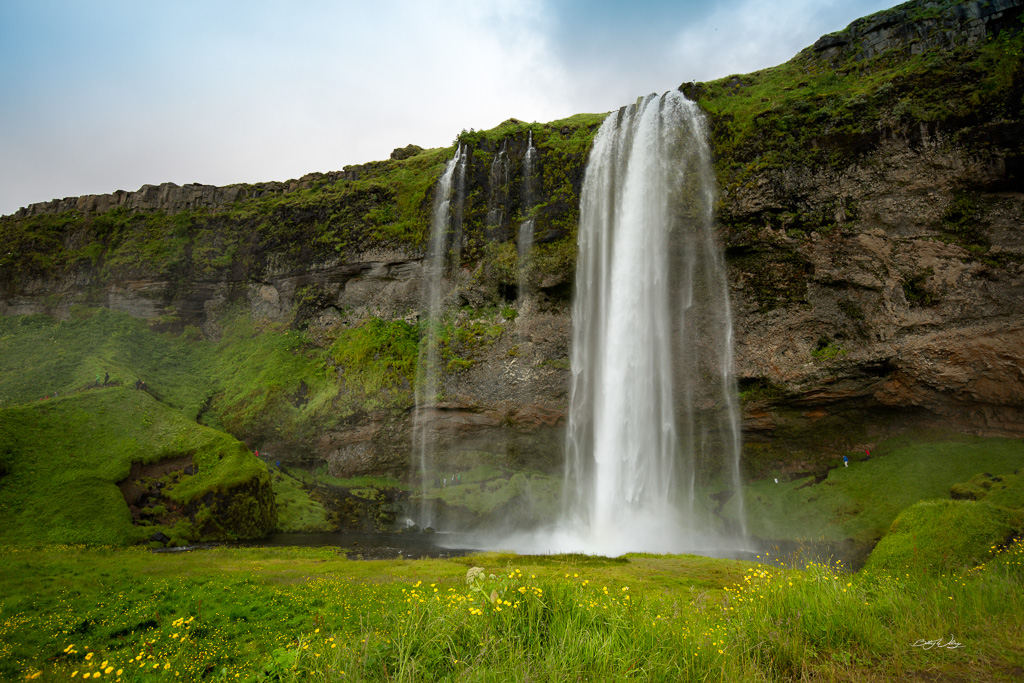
x=271, y=382
x=62, y=460
x=945, y=535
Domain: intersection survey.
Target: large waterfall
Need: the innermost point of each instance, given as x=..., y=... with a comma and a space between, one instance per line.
x=653, y=407
x=652, y=440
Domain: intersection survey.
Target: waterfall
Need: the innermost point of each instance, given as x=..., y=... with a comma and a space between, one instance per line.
x=653, y=406
x=498, y=198
x=524, y=240
x=456, y=210
x=428, y=373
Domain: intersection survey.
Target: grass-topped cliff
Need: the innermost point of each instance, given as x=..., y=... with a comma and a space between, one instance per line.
x=827, y=106
x=384, y=204
x=286, y=315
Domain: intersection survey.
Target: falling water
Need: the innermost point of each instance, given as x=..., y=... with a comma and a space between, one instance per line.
x=653, y=408
x=498, y=182
x=445, y=238
x=525, y=237
x=458, y=201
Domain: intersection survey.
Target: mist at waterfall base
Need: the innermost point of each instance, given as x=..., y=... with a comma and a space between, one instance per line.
x=653, y=424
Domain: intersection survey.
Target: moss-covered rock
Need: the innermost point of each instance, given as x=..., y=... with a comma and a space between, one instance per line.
x=85, y=467
x=945, y=535
x=1006, y=490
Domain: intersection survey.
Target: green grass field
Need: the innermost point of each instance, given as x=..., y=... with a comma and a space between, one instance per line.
x=303, y=614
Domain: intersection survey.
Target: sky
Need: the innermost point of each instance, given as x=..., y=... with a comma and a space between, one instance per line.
x=112, y=94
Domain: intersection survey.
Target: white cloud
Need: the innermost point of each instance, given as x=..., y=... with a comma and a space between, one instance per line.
x=756, y=34
x=271, y=92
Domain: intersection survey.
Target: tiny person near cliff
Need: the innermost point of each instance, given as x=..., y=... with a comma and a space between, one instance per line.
x=846, y=461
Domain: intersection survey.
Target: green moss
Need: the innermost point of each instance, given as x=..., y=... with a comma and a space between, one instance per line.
x=761, y=389
x=1006, y=490
x=376, y=364
x=945, y=535
x=916, y=289
x=296, y=510
x=826, y=349
x=463, y=335
x=272, y=382
x=961, y=224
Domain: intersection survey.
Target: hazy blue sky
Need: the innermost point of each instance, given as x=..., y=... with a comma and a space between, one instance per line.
x=107, y=95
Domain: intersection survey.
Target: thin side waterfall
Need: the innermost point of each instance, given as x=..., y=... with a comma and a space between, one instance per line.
x=458, y=202
x=653, y=403
x=524, y=240
x=498, y=181
x=445, y=239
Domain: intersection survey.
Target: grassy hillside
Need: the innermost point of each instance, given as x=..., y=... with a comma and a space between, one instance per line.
x=40, y=356
x=810, y=112
x=259, y=382
x=946, y=536
x=62, y=459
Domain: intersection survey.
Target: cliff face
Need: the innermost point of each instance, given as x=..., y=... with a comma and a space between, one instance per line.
x=876, y=252
x=896, y=314
x=871, y=208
